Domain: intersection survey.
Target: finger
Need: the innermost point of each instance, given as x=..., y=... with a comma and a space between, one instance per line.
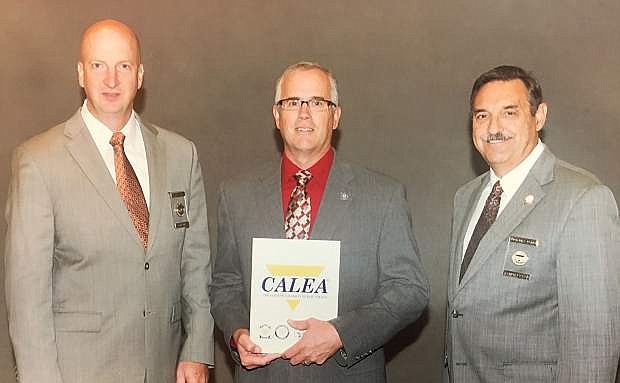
x=253, y=361
x=247, y=345
x=292, y=351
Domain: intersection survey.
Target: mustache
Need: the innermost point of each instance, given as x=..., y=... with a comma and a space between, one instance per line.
x=497, y=137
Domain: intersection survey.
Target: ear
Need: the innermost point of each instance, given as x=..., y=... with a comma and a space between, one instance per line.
x=140, y=75
x=276, y=116
x=541, y=116
x=337, y=112
x=80, y=71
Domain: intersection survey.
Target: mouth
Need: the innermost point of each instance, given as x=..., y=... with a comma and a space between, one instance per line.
x=303, y=129
x=110, y=96
x=497, y=139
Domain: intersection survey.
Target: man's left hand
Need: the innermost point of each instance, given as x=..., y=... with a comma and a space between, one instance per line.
x=319, y=342
x=192, y=372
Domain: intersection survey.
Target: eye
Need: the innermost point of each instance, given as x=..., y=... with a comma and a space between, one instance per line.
x=292, y=103
x=96, y=65
x=481, y=116
x=317, y=102
x=511, y=113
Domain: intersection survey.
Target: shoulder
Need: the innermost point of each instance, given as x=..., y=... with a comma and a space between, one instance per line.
x=573, y=176
x=167, y=136
x=364, y=176
x=575, y=185
x=268, y=171
x=42, y=145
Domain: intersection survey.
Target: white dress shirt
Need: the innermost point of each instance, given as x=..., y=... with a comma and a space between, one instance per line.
x=510, y=183
x=133, y=144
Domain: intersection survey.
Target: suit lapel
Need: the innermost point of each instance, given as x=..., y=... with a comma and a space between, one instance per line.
x=155, y=158
x=269, y=203
x=84, y=151
x=529, y=194
x=336, y=201
x=467, y=210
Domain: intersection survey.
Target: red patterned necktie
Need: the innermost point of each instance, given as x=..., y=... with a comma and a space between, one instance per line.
x=129, y=188
x=487, y=217
x=297, y=219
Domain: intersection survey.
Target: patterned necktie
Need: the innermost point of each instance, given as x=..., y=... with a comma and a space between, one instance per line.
x=297, y=219
x=487, y=217
x=129, y=188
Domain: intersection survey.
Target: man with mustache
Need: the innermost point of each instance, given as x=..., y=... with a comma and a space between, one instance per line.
x=533, y=291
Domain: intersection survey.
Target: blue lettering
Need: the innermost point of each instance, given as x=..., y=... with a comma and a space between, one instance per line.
x=270, y=279
x=307, y=285
x=321, y=288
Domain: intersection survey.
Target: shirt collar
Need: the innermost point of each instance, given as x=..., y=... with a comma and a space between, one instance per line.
x=512, y=180
x=319, y=170
x=100, y=131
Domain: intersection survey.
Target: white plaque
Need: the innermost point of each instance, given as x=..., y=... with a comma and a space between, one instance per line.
x=291, y=279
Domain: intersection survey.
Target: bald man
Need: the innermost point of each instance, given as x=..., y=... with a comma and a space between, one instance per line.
x=107, y=250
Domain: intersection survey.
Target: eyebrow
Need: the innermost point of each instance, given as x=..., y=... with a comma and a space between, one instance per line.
x=478, y=110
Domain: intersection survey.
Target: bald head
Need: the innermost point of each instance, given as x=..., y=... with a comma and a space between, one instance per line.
x=110, y=71
x=108, y=28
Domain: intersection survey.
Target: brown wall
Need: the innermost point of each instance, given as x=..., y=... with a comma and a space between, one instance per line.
x=405, y=69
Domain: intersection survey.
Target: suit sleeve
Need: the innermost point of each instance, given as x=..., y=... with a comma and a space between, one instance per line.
x=196, y=274
x=588, y=257
x=29, y=252
x=227, y=289
x=402, y=293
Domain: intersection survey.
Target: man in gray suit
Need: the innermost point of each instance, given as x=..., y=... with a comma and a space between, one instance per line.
x=107, y=259
x=382, y=284
x=533, y=289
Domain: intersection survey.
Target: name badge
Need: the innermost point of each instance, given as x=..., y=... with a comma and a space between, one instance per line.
x=520, y=258
x=524, y=241
x=178, y=209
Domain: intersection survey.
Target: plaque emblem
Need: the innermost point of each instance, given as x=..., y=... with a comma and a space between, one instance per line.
x=520, y=258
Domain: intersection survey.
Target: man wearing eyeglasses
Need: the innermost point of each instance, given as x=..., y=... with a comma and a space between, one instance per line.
x=382, y=285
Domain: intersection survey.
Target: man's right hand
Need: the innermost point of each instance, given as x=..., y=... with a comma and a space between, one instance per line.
x=249, y=352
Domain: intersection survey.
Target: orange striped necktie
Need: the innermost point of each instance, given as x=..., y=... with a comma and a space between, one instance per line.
x=129, y=188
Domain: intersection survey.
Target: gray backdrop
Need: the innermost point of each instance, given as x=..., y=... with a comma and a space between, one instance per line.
x=404, y=67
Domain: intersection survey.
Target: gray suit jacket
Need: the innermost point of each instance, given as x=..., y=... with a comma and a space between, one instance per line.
x=382, y=284
x=561, y=324
x=86, y=302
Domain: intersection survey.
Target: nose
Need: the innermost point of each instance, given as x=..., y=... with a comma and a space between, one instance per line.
x=304, y=110
x=494, y=125
x=111, y=78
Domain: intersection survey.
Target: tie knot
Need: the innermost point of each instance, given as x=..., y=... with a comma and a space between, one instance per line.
x=117, y=139
x=497, y=190
x=302, y=177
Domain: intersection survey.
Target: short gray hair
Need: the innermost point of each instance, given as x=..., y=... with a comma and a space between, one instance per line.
x=307, y=65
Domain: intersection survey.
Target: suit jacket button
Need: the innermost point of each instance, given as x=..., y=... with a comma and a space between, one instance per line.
x=146, y=266
x=456, y=314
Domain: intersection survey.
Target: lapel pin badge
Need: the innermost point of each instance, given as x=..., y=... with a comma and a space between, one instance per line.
x=529, y=199
x=344, y=196
x=520, y=258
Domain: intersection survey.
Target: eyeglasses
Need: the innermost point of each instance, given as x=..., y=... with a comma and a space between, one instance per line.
x=315, y=104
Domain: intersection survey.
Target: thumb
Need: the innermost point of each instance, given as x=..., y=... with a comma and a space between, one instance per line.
x=298, y=324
